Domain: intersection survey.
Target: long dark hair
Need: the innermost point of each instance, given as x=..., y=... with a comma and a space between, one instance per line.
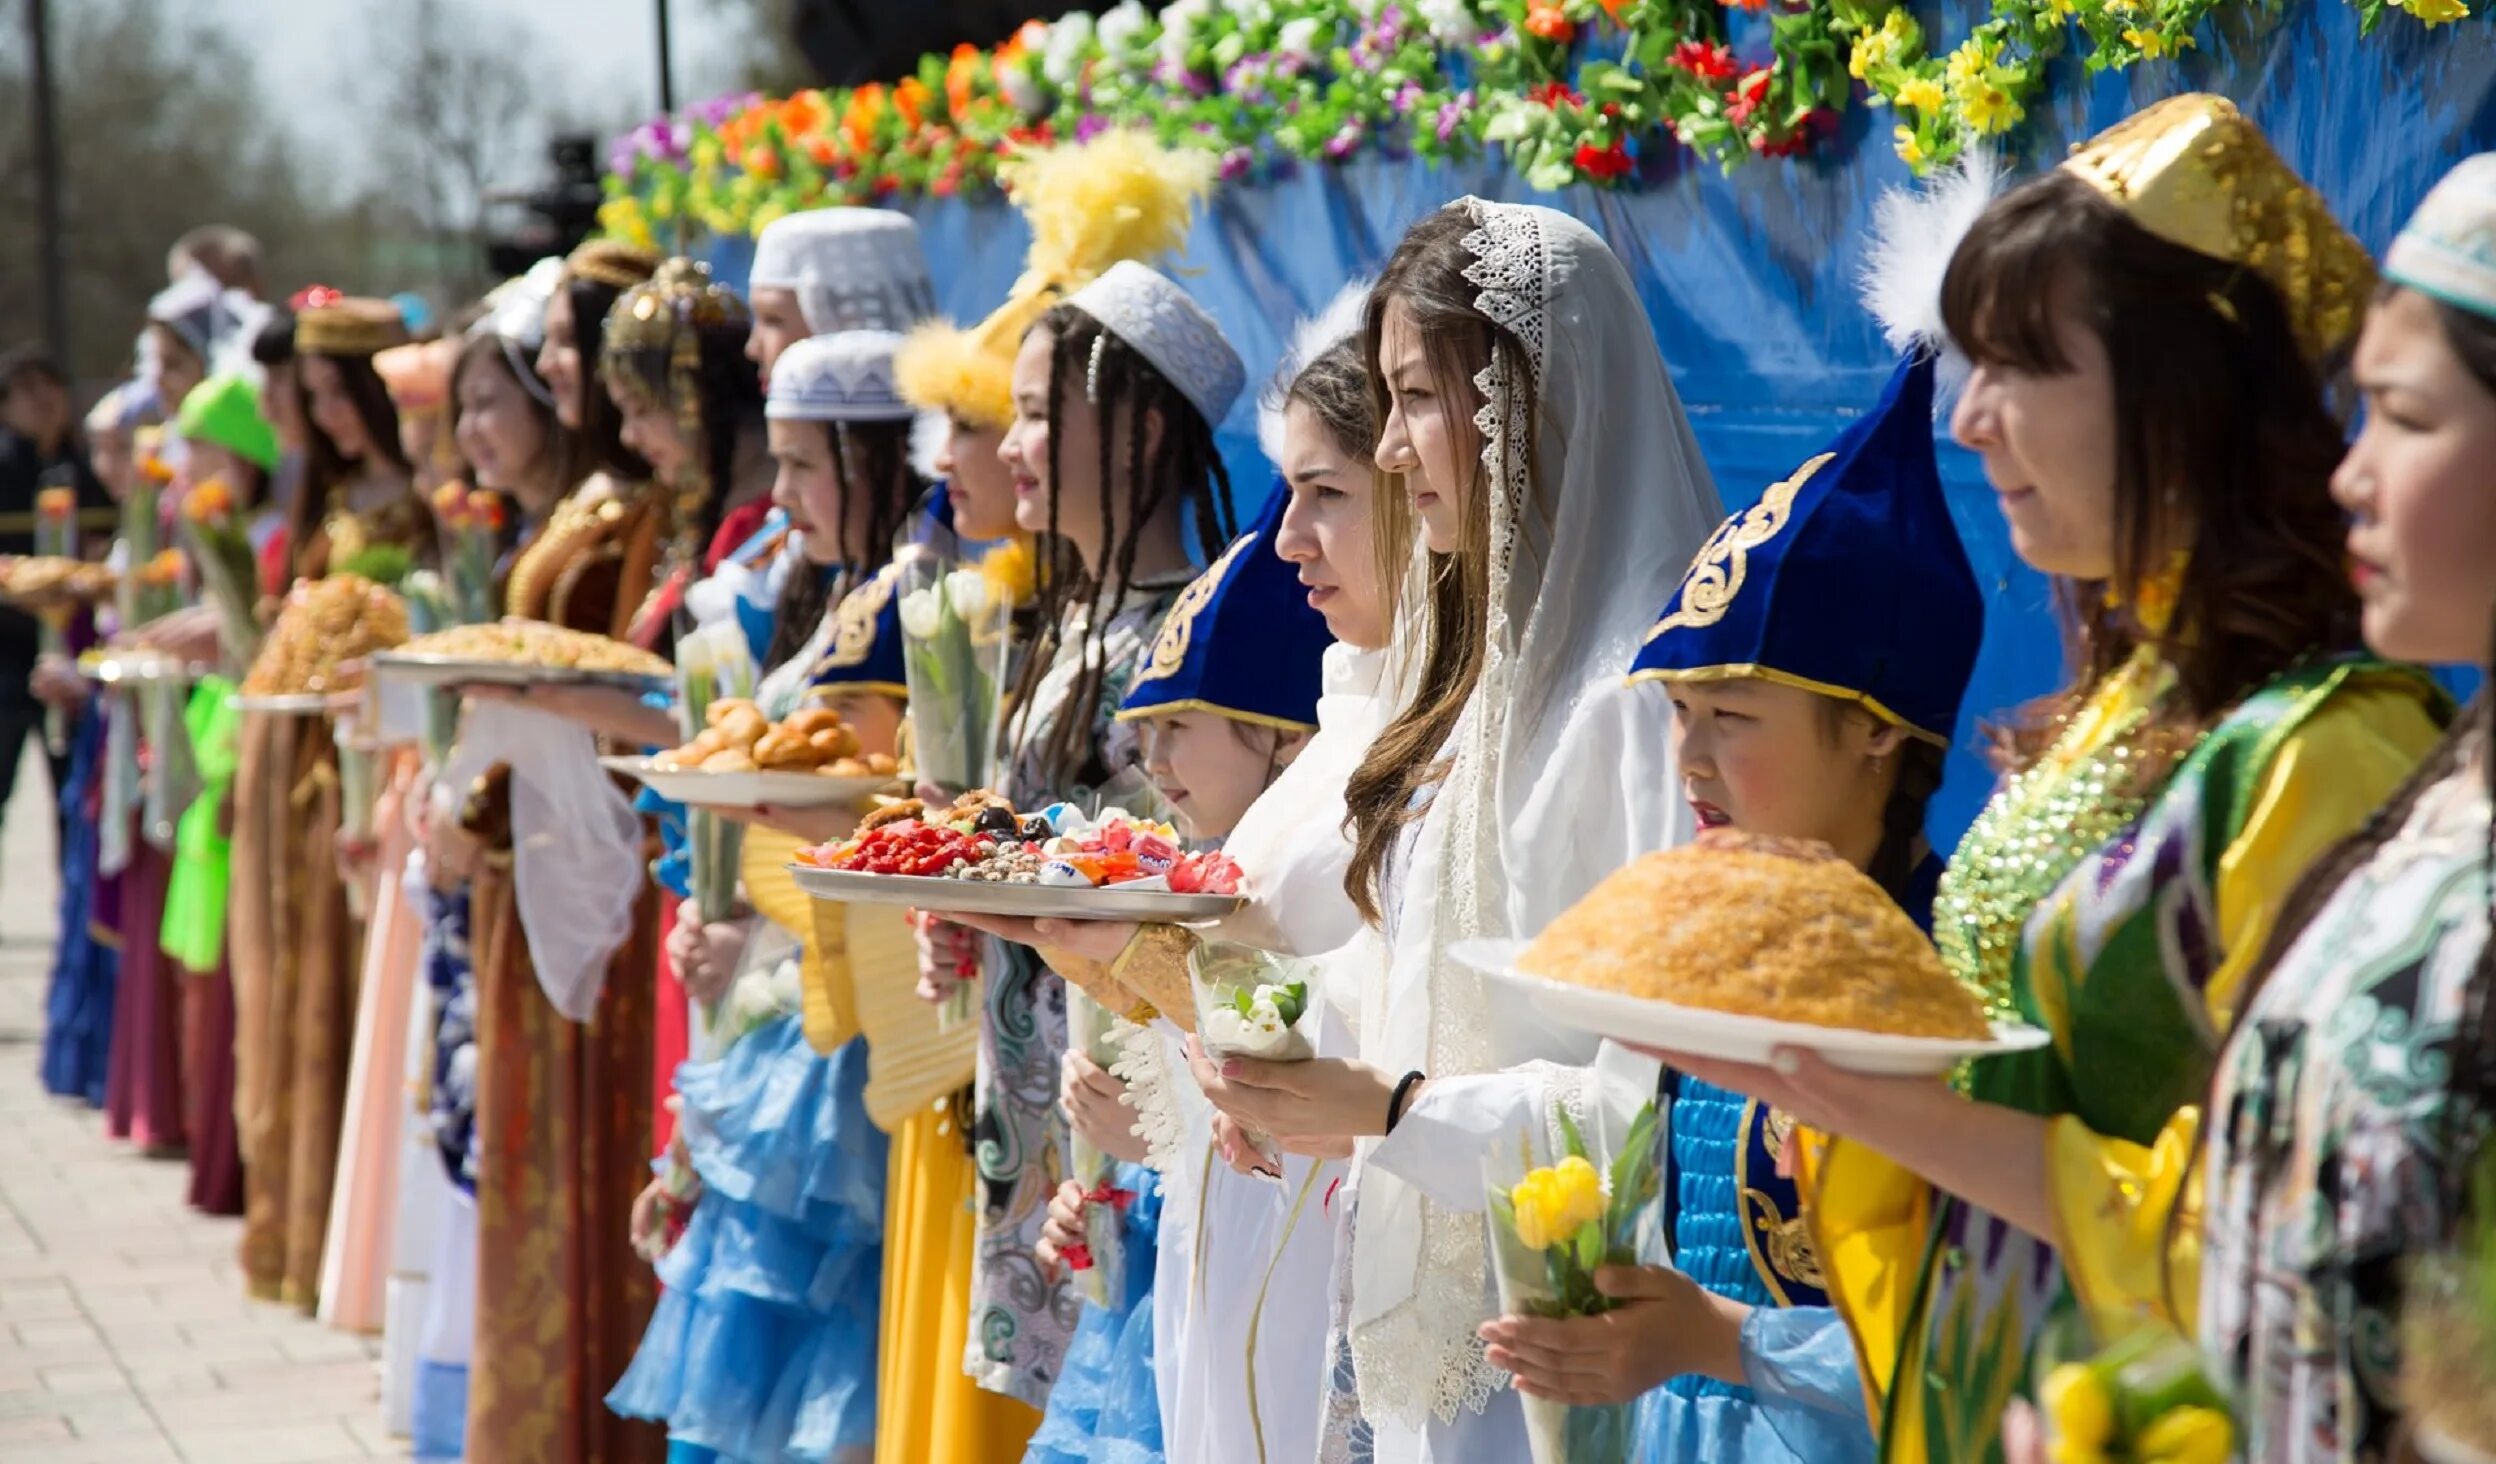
x=563, y=448
x=2223, y=435
x=602, y=425
x=882, y=452
x=1181, y=472
x=325, y=468
x=728, y=409
x=1920, y=765
x=1426, y=276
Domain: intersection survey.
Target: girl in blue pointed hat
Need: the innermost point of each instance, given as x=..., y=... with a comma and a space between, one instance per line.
x=1225, y=700
x=1815, y=655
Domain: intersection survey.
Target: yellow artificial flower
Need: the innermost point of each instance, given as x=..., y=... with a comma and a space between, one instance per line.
x=1988, y=108
x=1910, y=151
x=1968, y=65
x=2188, y=1436
x=2432, y=13
x=2062, y=9
x=1899, y=27
x=2078, y=1405
x=1923, y=94
x=1870, y=51
x=2154, y=44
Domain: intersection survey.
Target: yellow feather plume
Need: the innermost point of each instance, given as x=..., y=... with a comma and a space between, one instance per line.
x=1090, y=204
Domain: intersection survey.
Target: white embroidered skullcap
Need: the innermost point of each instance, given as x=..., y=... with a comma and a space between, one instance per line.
x=843, y=377
x=1147, y=310
x=851, y=268
x=515, y=319
x=2448, y=248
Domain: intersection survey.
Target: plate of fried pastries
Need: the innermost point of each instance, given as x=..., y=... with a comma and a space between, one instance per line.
x=1736, y=945
x=743, y=759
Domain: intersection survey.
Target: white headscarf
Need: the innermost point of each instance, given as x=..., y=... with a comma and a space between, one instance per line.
x=1558, y=775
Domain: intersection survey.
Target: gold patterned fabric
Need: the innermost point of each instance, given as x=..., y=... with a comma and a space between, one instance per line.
x=295, y=971
x=2196, y=172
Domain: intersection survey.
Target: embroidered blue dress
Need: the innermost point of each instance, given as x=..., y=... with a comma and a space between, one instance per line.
x=1735, y=1226
x=86, y=966
x=1105, y=1408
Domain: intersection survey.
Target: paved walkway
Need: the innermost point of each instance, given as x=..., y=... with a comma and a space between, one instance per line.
x=124, y=1332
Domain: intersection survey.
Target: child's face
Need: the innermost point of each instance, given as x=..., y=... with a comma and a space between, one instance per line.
x=114, y=461
x=875, y=717
x=1769, y=759
x=1211, y=768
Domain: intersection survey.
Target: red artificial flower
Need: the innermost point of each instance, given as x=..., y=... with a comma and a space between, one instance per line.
x=1748, y=98
x=1546, y=19
x=1707, y=61
x=1603, y=162
x=1555, y=94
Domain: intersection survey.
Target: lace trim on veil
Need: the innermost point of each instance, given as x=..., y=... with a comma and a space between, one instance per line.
x=1143, y=1065
x=1425, y=1351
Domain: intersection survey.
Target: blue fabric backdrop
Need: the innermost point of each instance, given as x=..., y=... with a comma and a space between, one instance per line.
x=1749, y=279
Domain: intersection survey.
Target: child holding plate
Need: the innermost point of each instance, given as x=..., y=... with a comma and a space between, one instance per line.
x=1793, y=716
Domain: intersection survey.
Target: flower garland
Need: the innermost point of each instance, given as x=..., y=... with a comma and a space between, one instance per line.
x=1575, y=91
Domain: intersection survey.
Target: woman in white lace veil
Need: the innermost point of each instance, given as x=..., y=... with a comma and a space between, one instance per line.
x=1556, y=517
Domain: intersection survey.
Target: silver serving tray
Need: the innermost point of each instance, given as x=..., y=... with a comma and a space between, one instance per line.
x=138, y=666
x=979, y=897
x=292, y=704
x=430, y=670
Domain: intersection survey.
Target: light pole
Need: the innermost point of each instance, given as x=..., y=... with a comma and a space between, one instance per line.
x=49, y=253
x=667, y=67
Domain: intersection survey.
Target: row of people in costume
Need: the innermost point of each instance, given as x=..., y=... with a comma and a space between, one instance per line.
x=1504, y=722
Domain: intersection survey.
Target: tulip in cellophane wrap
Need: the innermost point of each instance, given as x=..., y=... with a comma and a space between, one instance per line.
x=711, y=664
x=1559, y=1212
x=954, y=637
x=2143, y=1397
x=56, y=536
x=229, y=570
x=168, y=777
x=1100, y=1267
x=1251, y=1003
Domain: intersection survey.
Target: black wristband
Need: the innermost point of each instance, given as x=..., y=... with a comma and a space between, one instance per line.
x=1395, y=1103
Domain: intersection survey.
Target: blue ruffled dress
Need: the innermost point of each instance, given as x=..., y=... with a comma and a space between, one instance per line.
x=764, y=1346
x=1105, y=1407
x=86, y=965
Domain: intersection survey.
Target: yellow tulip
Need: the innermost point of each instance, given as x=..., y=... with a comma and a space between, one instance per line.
x=1910, y=151
x=1580, y=1190
x=2188, y=1436
x=2078, y=1405
x=1537, y=1203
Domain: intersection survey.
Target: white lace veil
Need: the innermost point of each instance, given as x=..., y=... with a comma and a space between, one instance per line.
x=1554, y=780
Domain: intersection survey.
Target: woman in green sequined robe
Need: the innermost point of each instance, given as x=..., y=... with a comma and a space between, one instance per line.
x=2150, y=416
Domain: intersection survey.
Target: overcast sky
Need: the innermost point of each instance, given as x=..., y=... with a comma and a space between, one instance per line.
x=608, y=49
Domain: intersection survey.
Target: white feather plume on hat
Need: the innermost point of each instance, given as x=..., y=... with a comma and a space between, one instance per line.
x=1339, y=319
x=1915, y=231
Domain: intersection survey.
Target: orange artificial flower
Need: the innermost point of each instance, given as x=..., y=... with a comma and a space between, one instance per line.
x=961, y=75
x=1546, y=19
x=858, y=123
x=764, y=162
x=802, y=115
x=910, y=99
x=208, y=502
x=1613, y=9
x=57, y=503
x=1030, y=37
x=822, y=149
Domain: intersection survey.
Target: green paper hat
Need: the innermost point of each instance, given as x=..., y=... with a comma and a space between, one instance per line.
x=225, y=410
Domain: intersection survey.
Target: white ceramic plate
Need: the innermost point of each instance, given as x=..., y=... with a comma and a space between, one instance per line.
x=295, y=704
x=750, y=790
x=979, y=897
x=1728, y=1035
x=427, y=670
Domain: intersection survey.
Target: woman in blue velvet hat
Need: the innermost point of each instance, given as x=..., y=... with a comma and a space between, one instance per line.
x=1815, y=655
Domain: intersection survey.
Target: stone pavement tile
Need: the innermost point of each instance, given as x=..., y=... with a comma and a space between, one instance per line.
x=355, y=1379
x=295, y=1443
x=18, y=1434
x=84, y=1377
x=322, y=1344
x=127, y=1418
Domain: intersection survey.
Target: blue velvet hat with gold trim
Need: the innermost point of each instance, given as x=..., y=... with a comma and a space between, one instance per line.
x=866, y=650
x=1242, y=641
x=1847, y=578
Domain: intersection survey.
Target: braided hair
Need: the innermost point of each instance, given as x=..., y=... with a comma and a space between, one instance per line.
x=894, y=486
x=1181, y=472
